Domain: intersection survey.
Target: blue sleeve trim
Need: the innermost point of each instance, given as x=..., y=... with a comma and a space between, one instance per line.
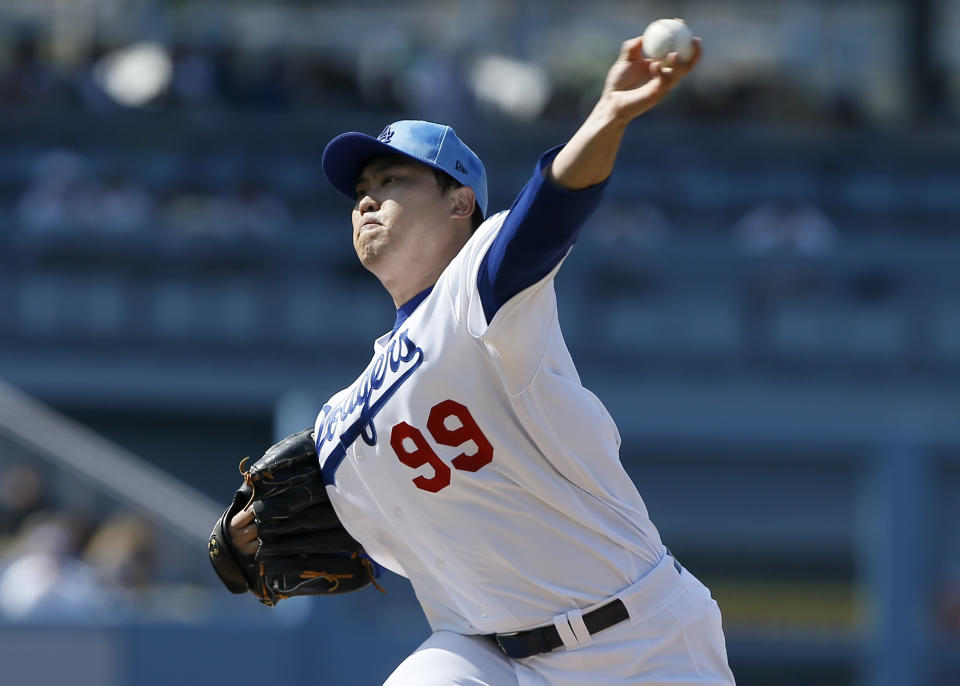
x=543, y=223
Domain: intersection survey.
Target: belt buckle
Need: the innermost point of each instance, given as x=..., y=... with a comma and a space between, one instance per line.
x=497, y=637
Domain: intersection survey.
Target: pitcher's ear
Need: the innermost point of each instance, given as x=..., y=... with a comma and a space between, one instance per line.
x=462, y=202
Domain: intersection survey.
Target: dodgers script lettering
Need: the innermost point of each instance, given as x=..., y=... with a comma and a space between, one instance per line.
x=353, y=418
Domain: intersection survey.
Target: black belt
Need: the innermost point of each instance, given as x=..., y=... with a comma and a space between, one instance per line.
x=546, y=638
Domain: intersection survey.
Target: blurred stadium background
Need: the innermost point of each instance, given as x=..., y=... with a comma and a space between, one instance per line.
x=767, y=302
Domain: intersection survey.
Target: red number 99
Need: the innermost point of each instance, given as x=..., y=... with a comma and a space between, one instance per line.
x=466, y=430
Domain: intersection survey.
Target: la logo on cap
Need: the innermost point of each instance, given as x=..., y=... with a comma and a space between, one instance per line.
x=460, y=168
x=385, y=135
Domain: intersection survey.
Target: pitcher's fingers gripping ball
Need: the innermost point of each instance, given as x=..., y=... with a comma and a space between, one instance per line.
x=303, y=548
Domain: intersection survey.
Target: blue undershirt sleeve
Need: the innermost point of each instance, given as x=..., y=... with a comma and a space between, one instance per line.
x=543, y=223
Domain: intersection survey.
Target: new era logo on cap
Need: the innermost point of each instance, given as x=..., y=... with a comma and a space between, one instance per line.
x=435, y=145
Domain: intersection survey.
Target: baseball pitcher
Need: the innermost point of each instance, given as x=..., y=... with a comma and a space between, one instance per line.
x=467, y=456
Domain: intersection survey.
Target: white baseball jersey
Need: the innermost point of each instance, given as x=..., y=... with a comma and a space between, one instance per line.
x=469, y=458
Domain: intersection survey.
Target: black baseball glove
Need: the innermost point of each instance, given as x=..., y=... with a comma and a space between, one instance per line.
x=304, y=549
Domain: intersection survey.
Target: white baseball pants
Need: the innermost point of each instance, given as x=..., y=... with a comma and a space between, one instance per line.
x=673, y=636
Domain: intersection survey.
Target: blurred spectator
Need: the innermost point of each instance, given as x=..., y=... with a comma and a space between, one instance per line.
x=253, y=209
x=30, y=78
x=48, y=203
x=51, y=569
x=250, y=209
x=260, y=81
x=948, y=607
x=431, y=80
x=41, y=577
x=780, y=229
x=46, y=573
x=785, y=226
x=195, y=77
x=22, y=493
x=90, y=93
x=65, y=194
x=948, y=604
x=116, y=205
x=639, y=224
x=123, y=553
x=193, y=208
x=378, y=66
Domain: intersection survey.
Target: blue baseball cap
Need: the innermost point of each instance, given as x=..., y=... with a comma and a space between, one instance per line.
x=432, y=144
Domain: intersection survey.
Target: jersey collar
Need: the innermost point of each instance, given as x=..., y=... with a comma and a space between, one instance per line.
x=407, y=308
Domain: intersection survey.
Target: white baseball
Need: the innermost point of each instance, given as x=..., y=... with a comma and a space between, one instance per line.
x=668, y=35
